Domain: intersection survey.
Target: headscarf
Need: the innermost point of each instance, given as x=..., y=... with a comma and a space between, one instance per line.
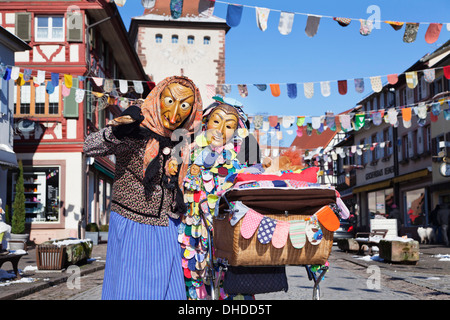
x=161, y=137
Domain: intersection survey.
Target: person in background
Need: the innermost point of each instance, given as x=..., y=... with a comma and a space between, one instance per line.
x=433, y=221
x=443, y=215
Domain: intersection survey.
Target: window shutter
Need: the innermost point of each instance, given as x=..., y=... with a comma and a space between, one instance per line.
x=410, y=144
x=420, y=141
x=74, y=27
x=400, y=149
x=424, y=88
x=70, y=105
x=23, y=25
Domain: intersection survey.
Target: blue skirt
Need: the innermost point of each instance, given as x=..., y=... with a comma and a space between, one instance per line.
x=143, y=262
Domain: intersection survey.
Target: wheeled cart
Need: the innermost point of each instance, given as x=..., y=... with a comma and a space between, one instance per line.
x=272, y=224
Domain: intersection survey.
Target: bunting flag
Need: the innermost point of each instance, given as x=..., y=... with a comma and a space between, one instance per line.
x=275, y=89
x=342, y=87
x=234, y=13
x=292, y=90
x=353, y=121
x=325, y=88
x=376, y=84
x=286, y=22
x=111, y=94
x=262, y=15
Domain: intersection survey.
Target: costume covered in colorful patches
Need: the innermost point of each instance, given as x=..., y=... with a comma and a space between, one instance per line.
x=214, y=164
x=143, y=260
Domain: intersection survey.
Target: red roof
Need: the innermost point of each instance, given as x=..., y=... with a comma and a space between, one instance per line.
x=316, y=140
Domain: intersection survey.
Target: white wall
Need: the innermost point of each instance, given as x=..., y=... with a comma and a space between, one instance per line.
x=72, y=189
x=197, y=60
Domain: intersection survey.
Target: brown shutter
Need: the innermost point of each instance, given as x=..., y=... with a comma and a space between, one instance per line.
x=23, y=25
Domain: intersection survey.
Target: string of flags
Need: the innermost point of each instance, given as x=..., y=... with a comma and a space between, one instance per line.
x=376, y=84
x=113, y=88
x=234, y=14
x=286, y=20
x=111, y=93
x=271, y=125
x=332, y=153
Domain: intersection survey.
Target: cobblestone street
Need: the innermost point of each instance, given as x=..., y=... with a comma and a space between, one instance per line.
x=347, y=279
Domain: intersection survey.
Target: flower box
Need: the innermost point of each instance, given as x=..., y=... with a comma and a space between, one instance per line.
x=57, y=254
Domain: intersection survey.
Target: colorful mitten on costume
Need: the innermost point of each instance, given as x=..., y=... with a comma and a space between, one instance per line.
x=313, y=230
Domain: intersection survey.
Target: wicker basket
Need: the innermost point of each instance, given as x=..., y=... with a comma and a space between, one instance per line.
x=279, y=204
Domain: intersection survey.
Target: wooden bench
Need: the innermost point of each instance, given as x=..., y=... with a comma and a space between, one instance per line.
x=370, y=241
x=14, y=259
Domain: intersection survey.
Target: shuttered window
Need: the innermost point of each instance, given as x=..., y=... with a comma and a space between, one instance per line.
x=23, y=25
x=35, y=102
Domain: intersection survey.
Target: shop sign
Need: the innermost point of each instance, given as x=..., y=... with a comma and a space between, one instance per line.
x=379, y=173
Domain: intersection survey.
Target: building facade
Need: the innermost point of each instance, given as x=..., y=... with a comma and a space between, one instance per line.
x=192, y=45
x=86, y=43
x=402, y=169
x=9, y=45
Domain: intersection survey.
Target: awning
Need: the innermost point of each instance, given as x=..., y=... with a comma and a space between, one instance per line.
x=104, y=170
x=411, y=176
x=346, y=194
x=389, y=182
x=374, y=186
x=8, y=159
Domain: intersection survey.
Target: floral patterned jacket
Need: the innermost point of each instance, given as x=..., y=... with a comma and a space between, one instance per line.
x=129, y=198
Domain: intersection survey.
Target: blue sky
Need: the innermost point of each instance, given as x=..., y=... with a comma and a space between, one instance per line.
x=334, y=53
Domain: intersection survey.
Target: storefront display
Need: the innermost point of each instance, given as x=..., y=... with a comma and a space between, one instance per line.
x=415, y=209
x=41, y=185
x=380, y=203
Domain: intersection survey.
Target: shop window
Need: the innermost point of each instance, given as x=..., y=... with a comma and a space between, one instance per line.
x=34, y=101
x=49, y=28
x=42, y=194
x=415, y=208
x=380, y=203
